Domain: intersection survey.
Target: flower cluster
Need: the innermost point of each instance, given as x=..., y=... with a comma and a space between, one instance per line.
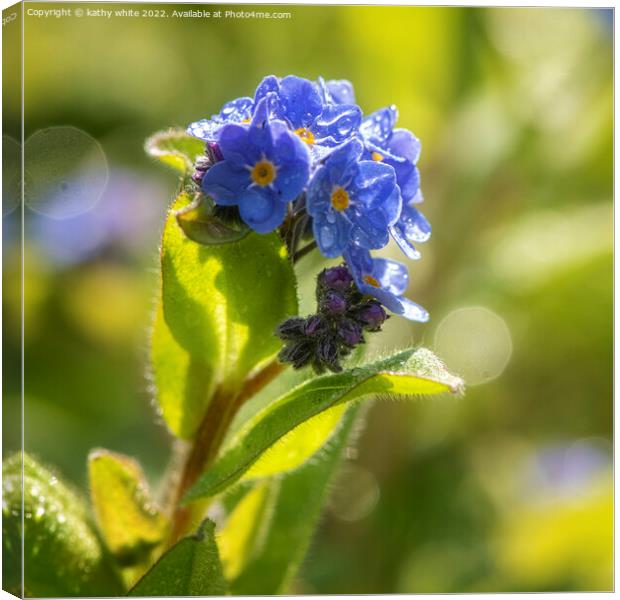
x=344, y=313
x=301, y=153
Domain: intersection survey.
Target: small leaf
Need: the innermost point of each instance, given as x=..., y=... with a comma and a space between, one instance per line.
x=62, y=553
x=219, y=307
x=200, y=225
x=175, y=148
x=190, y=568
x=129, y=521
x=408, y=373
x=290, y=518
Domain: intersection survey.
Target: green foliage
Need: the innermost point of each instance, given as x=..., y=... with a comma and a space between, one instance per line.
x=62, y=553
x=407, y=373
x=290, y=515
x=129, y=521
x=190, y=568
x=175, y=148
x=219, y=307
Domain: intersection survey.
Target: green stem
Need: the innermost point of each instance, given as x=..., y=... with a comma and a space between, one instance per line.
x=209, y=438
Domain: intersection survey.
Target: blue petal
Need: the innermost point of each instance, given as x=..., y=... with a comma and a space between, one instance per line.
x=234, y=146
x=261, y=210
x=342, y=163
x=318, y=193
x=331, y=233
x=412, y=311
x=413, y=224
x=225, y=182
x=367, y=235
x=378, y=126
x=301, y=101
x=408, y=179
x=341, y=91
x=403, y=143
x=292, y=159
x=408, y=249
x=376, y=189
x=392, y=275
x=337, y=123
x=237, y=110
x=268, y=84
x=205, y=129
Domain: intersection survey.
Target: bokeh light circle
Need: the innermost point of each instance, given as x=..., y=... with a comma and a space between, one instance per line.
x=355, y=493
x=475, y=342
x=66, y=172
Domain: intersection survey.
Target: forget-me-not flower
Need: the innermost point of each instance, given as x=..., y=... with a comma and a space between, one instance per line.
x=352, y=201
x=264, y=167
x=299, y=102
x=400, y=149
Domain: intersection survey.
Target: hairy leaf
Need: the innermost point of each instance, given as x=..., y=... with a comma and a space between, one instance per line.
x=290, y=518
x=128, y=519
x=219, y=308
x=190, y=568
x=175, y=148
x=408, y=373
x=62, y=553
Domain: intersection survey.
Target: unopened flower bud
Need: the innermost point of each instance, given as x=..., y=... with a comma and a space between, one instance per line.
x=350, y=332
x=335, y=278
x=334, y=303
x=291, y=328
x=372, y=316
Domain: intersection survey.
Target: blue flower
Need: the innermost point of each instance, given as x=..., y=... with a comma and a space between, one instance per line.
x=299, y=102
x=386, y=280
x=236, y=111
x=264, y=167
x=352, y=201
x=400, y=149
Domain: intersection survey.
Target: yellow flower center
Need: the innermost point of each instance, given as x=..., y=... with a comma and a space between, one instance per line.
x=370, y=280
x=340, y=199
x=377, y=156
x=263, y=173
x=248, y=120
x=306, y=135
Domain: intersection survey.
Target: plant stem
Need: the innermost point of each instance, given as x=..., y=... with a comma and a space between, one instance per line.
x=303, y=251
x=209, y=438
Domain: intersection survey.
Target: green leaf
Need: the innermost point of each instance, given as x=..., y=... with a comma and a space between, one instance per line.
x=200, y=225
x=130, y=522
x=62, y=553
x=175, y=148
x=190, y=568
x=297, y=446
x=214, y=325
x=412, y=372
x=290, y=516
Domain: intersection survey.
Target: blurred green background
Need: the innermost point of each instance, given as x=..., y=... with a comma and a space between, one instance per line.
x=506, y=489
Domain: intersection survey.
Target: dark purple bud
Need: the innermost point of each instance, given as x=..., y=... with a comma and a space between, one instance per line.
x=372, y=316
x=213, y=152
x=291, y=328
x=314, y=325
x=350, y=333
x=336, y=278
x=299, y=354
x=334, y=303
x=327, y=354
